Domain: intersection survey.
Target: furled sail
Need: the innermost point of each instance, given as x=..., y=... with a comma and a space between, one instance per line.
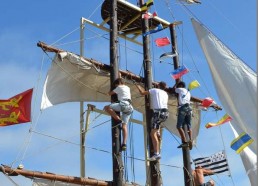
x=72, y=79
x=249, y=160
x=235, y=82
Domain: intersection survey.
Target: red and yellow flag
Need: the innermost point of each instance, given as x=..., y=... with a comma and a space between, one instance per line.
x=16, y=110
x=224, y=119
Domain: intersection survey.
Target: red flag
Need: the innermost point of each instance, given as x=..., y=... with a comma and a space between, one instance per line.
x=162, y=41
x=16, y=110
x=148, y=15
x=207, y=102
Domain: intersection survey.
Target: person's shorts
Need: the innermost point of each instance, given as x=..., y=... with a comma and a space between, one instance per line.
x=125, y=108
x=184, y=116
x=159, y=116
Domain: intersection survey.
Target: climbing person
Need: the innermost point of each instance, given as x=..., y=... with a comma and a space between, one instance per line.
x=198, y=176
x=184, y=114
x=123, y=105
x=159, y=106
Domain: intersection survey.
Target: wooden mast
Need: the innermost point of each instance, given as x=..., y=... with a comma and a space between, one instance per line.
x=186, y=151
x=154, y=168
x=116, y=132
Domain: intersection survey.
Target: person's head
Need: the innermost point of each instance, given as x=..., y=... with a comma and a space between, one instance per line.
x=162, y=85
x=118, y=81
x=181, y=84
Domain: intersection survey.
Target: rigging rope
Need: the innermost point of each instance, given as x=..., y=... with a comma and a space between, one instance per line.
x=27, y=139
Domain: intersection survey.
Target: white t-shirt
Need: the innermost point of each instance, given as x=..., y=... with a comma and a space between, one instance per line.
x=123, y=92
x=159, y=98
x=184, y=96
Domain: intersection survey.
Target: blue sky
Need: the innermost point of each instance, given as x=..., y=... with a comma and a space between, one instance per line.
x=24, y=65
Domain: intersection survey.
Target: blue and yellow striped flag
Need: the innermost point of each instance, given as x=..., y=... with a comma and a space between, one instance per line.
x=241, y=142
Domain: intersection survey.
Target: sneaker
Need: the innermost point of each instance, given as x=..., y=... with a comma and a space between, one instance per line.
x=123, y=147
x=155, y=157
x=184, y=144
x=190, y=144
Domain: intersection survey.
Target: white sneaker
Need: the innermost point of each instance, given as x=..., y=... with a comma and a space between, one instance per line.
x=155, y=157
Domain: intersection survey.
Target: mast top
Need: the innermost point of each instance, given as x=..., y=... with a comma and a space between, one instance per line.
x=129, y=17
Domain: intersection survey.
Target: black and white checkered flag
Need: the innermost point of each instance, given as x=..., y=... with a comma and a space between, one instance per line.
x=216, y=162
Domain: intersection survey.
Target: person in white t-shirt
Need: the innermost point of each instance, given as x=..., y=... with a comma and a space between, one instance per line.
x=123, y=105
x=184, y=114
x=159, y=106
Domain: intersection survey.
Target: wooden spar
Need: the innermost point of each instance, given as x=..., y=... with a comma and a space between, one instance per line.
x=124, y=74
x=54, y=177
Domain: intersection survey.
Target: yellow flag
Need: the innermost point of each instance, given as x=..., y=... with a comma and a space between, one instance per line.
x=193, y=84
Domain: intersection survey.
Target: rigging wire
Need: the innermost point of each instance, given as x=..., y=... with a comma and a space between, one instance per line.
x=222, y=138
x=27, y=140
x=131, y=130
x=10, y=179
x=190, y=14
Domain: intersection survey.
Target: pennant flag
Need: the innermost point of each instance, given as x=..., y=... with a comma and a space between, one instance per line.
x=191, y=1
x=16, y=109
x=241, y=142
x=148, y=15
x=146, y=6
x=177, y=73
x=193, y=84
x=166, y=55
x=207, y=102
x=157, y=29
x=224, y=119
x=216, y=162
x=162, y=41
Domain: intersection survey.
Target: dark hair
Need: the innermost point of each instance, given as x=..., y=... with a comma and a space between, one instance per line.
x=162, y=85
x=181, y=84
x=118, y=81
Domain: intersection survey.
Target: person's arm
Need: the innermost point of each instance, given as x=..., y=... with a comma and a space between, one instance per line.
x=208, y=171
x=111, y=93
x=141, y=90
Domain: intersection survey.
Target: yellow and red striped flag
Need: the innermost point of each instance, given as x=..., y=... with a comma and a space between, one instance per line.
x=16, y=109
x=224, y=119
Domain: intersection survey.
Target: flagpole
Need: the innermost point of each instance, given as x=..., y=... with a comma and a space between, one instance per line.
x=82, y=134
x=185, y=151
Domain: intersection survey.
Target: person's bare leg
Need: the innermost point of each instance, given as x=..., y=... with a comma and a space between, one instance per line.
x=190, y=134
x=154, y=139
x=112, y=113
x=182, y=134
x=124, y=131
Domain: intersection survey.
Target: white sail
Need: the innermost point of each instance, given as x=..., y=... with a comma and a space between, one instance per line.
x=249, y=160
x=235, y=82
x=73, y=79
